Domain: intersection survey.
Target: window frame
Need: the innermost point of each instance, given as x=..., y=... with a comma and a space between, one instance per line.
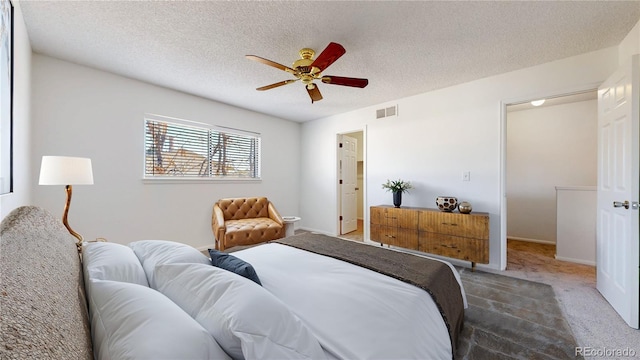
x=7, y=180
x=155, y=179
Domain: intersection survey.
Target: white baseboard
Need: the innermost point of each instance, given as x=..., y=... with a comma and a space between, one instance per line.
x=531, y=240
x=455, y=262
x=317, y=231
x=578, y=261
x=206, y=247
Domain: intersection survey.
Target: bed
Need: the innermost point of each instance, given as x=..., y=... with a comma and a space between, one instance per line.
x=163, y=300
x=355, y=312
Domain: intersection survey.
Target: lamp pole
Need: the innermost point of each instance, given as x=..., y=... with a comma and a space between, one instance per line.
x=65, y=214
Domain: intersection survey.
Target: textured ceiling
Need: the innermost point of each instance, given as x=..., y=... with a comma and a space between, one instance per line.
x=403, y=48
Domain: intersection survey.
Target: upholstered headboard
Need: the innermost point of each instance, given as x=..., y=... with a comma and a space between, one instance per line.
x=43, y=311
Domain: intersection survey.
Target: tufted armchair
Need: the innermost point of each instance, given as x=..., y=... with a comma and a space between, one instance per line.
x=245, y=221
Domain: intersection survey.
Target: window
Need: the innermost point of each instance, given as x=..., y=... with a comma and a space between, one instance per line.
x=194, y=150
x=6, y=96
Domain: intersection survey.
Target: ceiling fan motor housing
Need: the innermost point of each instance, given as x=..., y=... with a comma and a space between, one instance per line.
x=303, y=67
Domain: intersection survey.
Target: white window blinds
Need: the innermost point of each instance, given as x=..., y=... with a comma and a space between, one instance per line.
x=175, y=149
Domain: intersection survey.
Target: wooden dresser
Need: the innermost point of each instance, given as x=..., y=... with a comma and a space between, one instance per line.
x=450, y=234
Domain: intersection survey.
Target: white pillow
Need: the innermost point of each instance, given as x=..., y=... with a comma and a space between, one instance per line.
x=156, y=252
x=111, y=261
x=134, y=322
x=244, y=318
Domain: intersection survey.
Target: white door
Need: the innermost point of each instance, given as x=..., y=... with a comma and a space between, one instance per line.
x=617, y=258
x=348, y=170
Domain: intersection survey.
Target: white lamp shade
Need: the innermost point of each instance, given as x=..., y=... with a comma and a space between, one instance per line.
x=65, y=170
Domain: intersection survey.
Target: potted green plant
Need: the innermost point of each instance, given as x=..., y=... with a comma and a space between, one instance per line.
x=397, y=187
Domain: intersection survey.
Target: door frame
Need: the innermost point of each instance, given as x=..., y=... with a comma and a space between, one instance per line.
x=363, y=130
x=503, y=153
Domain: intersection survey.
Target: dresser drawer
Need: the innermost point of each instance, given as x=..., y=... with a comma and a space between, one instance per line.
x=475, y=250
x=375, y=215
x=394, y=217
x=376, y=232
x=406, y=238
x=465, y=225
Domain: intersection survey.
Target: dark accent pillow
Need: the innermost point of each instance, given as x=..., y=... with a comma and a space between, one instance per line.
x=233, y=264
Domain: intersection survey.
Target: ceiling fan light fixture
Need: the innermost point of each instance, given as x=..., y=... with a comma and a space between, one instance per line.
x=538, y=102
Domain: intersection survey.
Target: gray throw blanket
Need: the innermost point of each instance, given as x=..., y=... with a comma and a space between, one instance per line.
x=433, y=276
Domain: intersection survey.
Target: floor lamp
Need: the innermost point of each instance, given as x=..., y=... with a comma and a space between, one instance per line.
x=68, y=171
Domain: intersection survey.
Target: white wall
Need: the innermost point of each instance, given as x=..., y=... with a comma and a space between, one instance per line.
x=85, y=112
x=630, y=45
x=436, y=137
x=547, y=147
x=22, y=179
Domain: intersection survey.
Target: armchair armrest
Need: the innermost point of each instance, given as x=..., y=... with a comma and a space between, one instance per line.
x=274, y=214
x=217, y=224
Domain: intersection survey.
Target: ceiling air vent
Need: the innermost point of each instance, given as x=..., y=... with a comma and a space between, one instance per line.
x=390, y=111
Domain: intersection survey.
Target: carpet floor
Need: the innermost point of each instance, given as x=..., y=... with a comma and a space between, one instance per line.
x=594, y=323
x=512, y=318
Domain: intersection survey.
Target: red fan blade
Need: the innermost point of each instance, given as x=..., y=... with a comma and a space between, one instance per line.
x=329, y=55
x=271, y=63
x=276, y=84
x=314, y=93
x=346, y=81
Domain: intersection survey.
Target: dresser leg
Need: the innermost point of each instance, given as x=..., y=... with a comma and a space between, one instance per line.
x=473, y=266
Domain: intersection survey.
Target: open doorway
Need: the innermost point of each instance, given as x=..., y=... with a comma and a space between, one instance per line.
x=351, y=185
x=550, y=178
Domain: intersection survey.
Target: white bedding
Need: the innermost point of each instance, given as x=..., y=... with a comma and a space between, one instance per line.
x=354, y=312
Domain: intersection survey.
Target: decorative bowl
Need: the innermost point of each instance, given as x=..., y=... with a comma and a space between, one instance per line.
x=446, y=203
x=464, y=207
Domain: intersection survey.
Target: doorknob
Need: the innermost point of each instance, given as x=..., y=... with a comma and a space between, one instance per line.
x=621, y=204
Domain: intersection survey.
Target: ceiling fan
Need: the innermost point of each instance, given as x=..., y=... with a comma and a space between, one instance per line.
x=307, y=70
